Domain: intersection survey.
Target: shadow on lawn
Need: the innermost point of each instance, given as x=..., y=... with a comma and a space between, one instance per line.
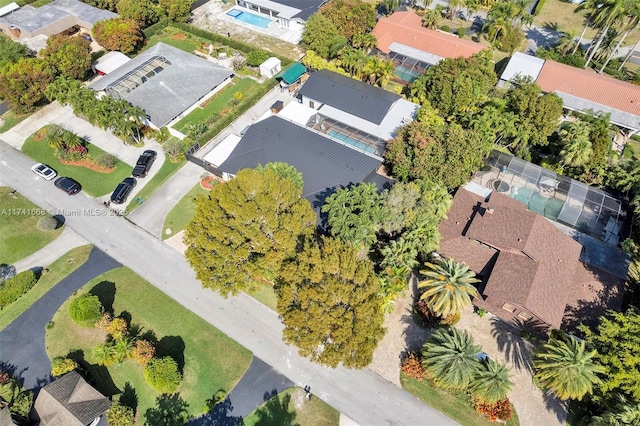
x=170, y=410
x=106, y=292
x=172, y=346
x=275, y=412
x=96, y=375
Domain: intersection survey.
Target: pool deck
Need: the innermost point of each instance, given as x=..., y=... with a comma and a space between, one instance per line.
x=290, y=35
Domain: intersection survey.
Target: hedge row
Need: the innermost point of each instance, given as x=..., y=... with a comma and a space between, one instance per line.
x=156, y=28
x=227, y=119
x=16, y=287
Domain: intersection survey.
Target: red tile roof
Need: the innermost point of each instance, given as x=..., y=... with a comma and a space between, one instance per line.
x=589, y=85
x=406, y=28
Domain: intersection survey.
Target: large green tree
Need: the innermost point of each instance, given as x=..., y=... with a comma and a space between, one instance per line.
x=574, y=136
x=118, y=34
x=285, y=171
x=177, y=10
x=350, y=17
x=448, y=287
x=144, y=12
x=451, y=358
x=329, y=303
x=319, y=34
x=70, y=56
x=23, y=83
x=567, y=368
x=245, y=229
x=11, y=51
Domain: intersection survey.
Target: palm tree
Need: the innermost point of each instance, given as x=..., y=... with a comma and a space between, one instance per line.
x=577, y=144
x=623, y=413
x=104, y=354
x=451, y=358
x=378, y=71
x=432, y=17
x=55, y=137
x=353, y=60
x=122, y=348
x=607, y=14
x=633, y=17
x=566, y=367
x=448, y=287
x=492, y=383
x=472, y=7
x=566, y=42
x=399, y=254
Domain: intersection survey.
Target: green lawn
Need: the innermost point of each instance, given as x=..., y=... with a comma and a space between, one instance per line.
x=10, y=117
x=281, y=410
x=176, y=38
x=93, y=182
x=217, y=103
x=266, y=295
x=58, y=270
x=19, y=233
x=211, y=360
x=458, y=407
x=182, y=213
x=167, y=170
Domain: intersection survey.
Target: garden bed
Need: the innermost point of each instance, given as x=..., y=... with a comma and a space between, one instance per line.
x=209, y=359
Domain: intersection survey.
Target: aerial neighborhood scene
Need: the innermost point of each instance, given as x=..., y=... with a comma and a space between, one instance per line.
x=319, y=212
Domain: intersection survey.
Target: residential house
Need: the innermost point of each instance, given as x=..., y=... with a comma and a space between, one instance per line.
x=413, y=48
x=166, y=82
x=581, y=90
x=291, y=14
x=70, y=401
x=53, y=18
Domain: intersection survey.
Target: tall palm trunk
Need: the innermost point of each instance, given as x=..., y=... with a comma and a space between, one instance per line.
x=613, y=52
x=603, y=33
x=584, y=30
x=635, y=47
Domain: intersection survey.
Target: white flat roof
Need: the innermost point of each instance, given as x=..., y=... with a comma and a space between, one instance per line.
x=271, y=62
x=284, y=11
x=298, y=113
x=111, y=61
x=222, y=151
x=414, y=53
x=8, y=8
x=522, y=65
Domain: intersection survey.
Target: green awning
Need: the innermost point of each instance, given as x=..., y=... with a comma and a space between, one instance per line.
x=292, y=73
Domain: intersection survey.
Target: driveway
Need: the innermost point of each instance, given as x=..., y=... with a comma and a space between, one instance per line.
x=66, y=241
x=22, y=346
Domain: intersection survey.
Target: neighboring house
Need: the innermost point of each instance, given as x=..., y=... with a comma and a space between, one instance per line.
x=109, y=62
x=531, y=273
x=53, y=18
x=288, y=13
x=70, y=401
x=164, y=81
x=414, y=48
x=581, y=90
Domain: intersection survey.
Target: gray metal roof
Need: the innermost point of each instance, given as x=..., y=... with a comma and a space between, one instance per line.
x=324, y=163
x=306, y=7
x=170, y=91
x=30, y=19
x=352, y=96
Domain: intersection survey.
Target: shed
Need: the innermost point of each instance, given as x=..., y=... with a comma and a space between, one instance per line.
x=292, y=73
x=109, y=62
x=270, y=67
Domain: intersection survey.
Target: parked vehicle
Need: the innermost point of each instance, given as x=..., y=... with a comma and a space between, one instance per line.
x=68, y=185
x=123, y=190
x=44, y=171
x=144, y=163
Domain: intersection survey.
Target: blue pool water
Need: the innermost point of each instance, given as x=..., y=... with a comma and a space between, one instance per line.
x=250, y=18
x=351, y=141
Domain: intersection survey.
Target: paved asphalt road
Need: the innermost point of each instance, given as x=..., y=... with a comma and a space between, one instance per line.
x=22, y=345
x=362, y=395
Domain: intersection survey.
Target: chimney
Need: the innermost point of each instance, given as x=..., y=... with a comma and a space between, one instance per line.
x=490, y=210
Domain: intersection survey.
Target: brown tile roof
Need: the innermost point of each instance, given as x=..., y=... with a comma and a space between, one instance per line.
x=69, y=401
x=406, y=28
x=589, y=85
x=536, y=264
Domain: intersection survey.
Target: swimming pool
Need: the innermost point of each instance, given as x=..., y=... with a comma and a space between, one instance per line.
x=351, y=141
x=250, y=18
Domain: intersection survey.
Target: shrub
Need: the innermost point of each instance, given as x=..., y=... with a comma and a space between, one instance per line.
x=86, y=310
x=445, y=28
x=412, y=366
x=173, y=148
x=120, y=415
x=104, y=322
x=462, y=32
x=16, y=287
x=105, y=160
x=60, y=366
x=104, y=354
x=481, y=312
x=238, y=62
x=143, y=352
x=256, y=57
x=118, y=328
x=162, y=374
x=48, y=223
x=500, y=410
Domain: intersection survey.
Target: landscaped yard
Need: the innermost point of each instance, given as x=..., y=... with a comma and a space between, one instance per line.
x=216, y=104
x=292, y=407
x=211, y=360
x=93, y=182
x=58, y=270
x=182, y=213
x=167, y=170
x=458, y=407
x=19, y=233
x=177, y=38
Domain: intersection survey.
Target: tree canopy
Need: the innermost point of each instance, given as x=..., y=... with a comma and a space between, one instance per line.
x=350, y=17
x=24, y=82
x=245, y=229
x=118, y=34
x=70, y=56
x=329, y=303
x=284, y=171
x=11, y=51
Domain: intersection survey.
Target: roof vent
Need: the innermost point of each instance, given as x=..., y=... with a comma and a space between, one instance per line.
x=519, y=240
x=490, y=210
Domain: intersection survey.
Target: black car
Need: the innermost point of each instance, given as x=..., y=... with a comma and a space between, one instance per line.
x=144, y=163
x=68, y=185
x=123, y=190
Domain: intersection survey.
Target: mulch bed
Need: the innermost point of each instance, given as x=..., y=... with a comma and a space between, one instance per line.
x=87, y=164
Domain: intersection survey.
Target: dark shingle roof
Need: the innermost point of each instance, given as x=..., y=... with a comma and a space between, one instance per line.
x=351, y=96
x=324, y=163
x=307, y=7
x=70, y=401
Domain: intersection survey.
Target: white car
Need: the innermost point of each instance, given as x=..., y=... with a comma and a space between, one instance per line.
x=44, y=171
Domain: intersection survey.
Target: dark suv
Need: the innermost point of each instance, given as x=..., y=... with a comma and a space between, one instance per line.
x=123, y=190
x=68, y=185
x=144, y=163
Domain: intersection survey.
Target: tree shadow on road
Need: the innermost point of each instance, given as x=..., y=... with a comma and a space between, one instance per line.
x=219, y=416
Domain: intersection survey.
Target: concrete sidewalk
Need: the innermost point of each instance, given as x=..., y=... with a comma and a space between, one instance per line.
x=66, y=241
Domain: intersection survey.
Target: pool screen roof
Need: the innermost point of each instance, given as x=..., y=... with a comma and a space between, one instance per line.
x=559, y=198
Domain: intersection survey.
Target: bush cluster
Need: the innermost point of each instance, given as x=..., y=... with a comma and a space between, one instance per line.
x=16, y=287
x=60, y=366
x=256, y=57
x=86, y=310
x=48, y=223
x=162, y=374
x=105, y=160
